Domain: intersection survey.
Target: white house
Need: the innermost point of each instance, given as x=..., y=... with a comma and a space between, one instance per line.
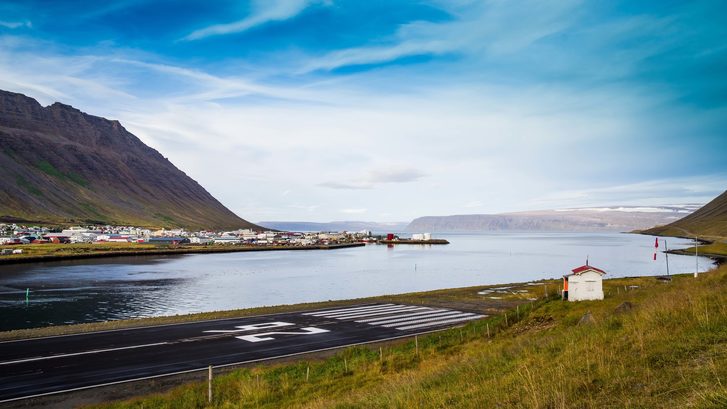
x=583, y=283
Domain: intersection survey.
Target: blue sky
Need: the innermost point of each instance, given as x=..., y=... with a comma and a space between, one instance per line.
x=385, y=110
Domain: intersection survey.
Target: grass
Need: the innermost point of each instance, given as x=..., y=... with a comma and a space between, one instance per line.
x=55, y=252
x=50, y=249
x=717, y=249
x=669, y=350
x=51, y=170
x=29, y=187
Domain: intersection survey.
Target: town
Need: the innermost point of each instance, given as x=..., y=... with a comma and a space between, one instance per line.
x=14, y=234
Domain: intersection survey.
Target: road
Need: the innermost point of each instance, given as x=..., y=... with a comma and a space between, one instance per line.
x=37, y=367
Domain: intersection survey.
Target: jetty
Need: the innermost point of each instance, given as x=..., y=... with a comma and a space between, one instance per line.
x=411, y=241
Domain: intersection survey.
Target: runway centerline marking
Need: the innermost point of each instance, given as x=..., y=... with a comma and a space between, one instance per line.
x=95, y=351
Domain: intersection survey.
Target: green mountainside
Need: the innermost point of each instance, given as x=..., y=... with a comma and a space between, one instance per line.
x=59, y=165
x=710, y=221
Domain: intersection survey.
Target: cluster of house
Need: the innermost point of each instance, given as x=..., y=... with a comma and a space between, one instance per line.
x=15, y=234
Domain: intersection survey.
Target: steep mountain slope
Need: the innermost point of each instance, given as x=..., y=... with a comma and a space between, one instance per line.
x=571, y=220
x=708, y=221
x=60, y=165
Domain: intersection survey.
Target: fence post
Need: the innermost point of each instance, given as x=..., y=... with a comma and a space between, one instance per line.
x=416, y=344
x=209, y=385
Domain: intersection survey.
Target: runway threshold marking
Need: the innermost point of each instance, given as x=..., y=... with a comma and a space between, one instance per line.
x=95, y=351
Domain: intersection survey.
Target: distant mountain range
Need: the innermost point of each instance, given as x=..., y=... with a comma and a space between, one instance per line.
x=709, y=221
x=621, y=218
x=60, y=165
x=336, y=226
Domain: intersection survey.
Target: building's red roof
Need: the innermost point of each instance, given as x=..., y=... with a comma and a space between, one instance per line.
x=585, y=268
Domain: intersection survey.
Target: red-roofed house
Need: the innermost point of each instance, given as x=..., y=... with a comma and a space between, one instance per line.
x=583, y=283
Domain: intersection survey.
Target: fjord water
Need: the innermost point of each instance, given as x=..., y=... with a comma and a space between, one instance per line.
x=146, y=286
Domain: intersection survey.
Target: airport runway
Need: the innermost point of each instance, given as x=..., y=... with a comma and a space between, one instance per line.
x=50, y=365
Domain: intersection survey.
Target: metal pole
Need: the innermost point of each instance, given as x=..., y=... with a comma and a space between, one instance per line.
x=209, y=385
x=696, y=256
x=27, y=296
x=666, y=254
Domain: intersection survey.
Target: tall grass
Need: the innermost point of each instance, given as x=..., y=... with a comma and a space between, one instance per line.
x=670, y=350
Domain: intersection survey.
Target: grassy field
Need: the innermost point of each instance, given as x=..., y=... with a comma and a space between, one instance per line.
x=666, y=349
x=48, y=249
x=717, y=248
x=54, y=252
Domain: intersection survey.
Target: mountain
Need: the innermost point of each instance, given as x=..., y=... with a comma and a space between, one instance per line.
x=622, y=218
x=336, y=226
x=708, y=221
x=60, y=165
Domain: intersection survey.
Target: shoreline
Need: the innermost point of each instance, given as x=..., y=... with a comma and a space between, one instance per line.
x=170, y=251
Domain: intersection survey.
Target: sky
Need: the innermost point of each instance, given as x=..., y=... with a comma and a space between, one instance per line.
x=321, y=110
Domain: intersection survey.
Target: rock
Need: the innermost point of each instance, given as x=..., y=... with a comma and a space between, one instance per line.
x=587, y=319
x=624, y=307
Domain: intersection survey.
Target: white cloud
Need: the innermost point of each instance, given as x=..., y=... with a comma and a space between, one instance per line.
x=16, y=24
x=264, y=11
x=375, y=177
x=354, y=211
x=695, y=189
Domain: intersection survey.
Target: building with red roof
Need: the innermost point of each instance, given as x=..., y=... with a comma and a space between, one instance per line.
x=583, y=283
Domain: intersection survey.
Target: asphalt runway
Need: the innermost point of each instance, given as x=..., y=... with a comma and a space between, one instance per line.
x=37, y=367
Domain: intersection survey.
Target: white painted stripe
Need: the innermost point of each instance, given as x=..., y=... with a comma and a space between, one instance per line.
x=333, y=314
x=417, y=321
x=403, y=315
x=339, y=314
x=437, y=315
x=344, y=309
x=390, y=312
x=95, y=351
x=431, y=324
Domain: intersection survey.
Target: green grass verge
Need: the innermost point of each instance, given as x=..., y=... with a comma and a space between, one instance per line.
x=716, y=249
x=668, y=350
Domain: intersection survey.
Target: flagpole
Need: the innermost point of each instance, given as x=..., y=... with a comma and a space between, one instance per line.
x=666, y=254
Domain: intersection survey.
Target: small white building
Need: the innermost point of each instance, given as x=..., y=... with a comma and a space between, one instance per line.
x=583, y=283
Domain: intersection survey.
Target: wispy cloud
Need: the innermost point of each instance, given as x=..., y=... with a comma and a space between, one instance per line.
x=354, y=211
x=16, y=24
x=378, y=177
x=476, y=28
x=264, y=11
x=650, y=192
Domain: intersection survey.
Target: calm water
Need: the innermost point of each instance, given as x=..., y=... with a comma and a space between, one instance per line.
x=97, y=290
